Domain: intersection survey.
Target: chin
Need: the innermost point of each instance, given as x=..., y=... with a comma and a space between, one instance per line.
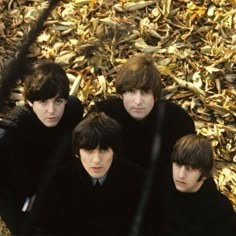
x=96, y=176
x=49, y=125
x=138, y=117
x=183, y=190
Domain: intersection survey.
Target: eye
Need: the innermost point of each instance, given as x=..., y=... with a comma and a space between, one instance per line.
x=188, y=167
x=177, y=164
x=103, y=150
x=146, y=91
x=59, y=101
x=42, y=101
x=131, y=91
x=89, y=150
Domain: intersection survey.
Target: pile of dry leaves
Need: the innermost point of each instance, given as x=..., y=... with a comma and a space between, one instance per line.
x=193, y=42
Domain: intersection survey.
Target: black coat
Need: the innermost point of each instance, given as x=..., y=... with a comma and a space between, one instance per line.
x=28, y=150
x=138, y=143
x=73, y=206
x=206, y=212
x=138, y=135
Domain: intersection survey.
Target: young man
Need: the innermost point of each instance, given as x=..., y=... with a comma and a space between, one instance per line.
x=195, y=206
x=141, y=113
x=74, y=203
x=31, y=136
x=139, y=85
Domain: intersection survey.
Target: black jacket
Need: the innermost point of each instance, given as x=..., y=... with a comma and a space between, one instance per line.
x=28, y=150
x=73, y=206
x=172, y=122
x=205, y=212
x=138, y=135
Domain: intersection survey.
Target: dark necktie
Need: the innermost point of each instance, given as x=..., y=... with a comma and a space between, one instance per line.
x=97, y=185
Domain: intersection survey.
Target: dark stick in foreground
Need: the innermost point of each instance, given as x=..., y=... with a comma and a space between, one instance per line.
x=17, y=68
x=156, y=147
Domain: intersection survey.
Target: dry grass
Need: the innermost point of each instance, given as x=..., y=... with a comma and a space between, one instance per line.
x=193, y=43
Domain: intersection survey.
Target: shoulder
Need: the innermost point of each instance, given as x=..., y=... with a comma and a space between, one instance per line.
x=3, y=139
x=74, y=104
x=220, y=201
x=2, y=133
x=174, y=112
x=226, y=205
x=220, y=209
x=112, y=107
x=73, y=112
x=17, y=117
x=172, y=107
x=130, y=171
x=225, y=215
x=108, y=105
x=65, y=173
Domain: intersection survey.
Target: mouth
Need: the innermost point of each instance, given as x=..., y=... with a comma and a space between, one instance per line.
x=138, y=109
x=179, y=182
x=51, y=118
x=96, y=169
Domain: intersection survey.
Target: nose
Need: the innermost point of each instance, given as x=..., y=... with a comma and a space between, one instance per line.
x=96, y=157
x=182, y=172
x=50, y=107
x=138, y=97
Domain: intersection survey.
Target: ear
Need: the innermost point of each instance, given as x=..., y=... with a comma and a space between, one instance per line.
x=30, y=103
x=204, y=178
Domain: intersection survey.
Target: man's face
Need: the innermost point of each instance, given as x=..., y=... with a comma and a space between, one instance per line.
x=49, y=111
x=138, y=103
x=186, y=179
x=96, y=161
